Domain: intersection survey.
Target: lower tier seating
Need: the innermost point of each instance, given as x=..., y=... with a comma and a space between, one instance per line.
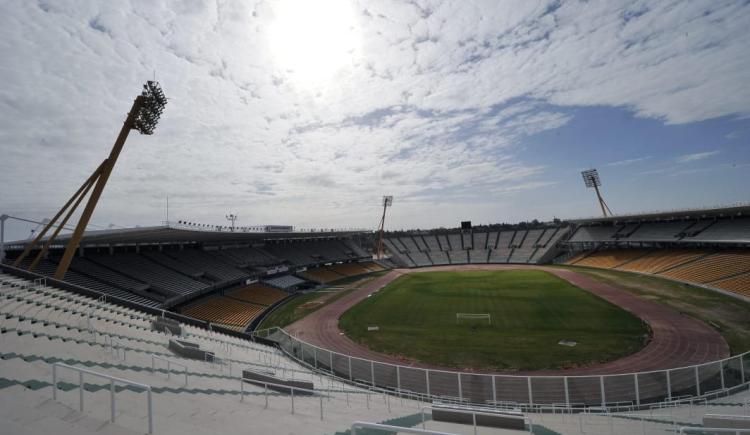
x=225, y=311
x=727, y=270
x=258, y=293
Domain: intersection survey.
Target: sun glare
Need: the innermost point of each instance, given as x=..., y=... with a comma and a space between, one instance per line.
x=313, y=40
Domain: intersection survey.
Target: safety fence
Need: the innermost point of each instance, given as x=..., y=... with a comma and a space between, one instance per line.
x=619, y=391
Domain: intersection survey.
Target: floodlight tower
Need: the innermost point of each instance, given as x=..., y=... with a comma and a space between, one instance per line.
x=143, y=116
x=591, y=179
x=231, y=218
x=387, y=202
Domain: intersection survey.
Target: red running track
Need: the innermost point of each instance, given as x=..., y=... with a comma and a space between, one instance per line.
x=678, y=340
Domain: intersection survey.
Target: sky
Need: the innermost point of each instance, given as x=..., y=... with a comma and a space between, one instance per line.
x=306, y=113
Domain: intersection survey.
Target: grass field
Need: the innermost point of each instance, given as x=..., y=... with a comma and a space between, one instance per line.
x=531, y=312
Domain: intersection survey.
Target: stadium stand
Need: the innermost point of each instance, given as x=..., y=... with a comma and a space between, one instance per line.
x=738, y=284
x=41, y=326
x=285, y=282
x=713, y=267
x=143, y=269
x=372, y=266
x=349, y=269
x=215, y=268
x=246, y=257
x=258, y=293
x=225, y=311
x=184, y=268
x=657, y=261
x=610, y=259
x=410, y=247
x=47, y=268
x=321, y=275
x=476, y=247
x=735, y=230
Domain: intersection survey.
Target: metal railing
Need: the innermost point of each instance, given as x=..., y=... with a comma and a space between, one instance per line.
x=711, y=431
x=115, y=347
x=112, y=381
x=474, y=413
x=170, y=363
x=397, y=429
x=291, y=389
x=629, y=391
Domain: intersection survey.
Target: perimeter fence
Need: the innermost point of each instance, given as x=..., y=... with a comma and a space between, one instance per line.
x=623, y=391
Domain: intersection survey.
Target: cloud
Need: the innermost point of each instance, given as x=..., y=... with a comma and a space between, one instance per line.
x=433, y=100
x=687, y=158
x=627, y=162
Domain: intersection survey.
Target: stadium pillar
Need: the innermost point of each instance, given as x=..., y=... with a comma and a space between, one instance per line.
x=88, y=184
x=637, y=390
x=697, y=383
x=460, y=390
x=567, y=394
x=398, y=379
x=494, y=391
x=3, y=218
x=80, y=193
x=531, y=397
x=601, y=388
x=350, y=369
x=427, y=380
x=372, y=372
x=669, y=386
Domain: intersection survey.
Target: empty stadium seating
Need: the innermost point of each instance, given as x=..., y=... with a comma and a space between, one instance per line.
x=726, y=269
x=258, y=293
x=225, y=311
x=513, y=246
x=284, y=282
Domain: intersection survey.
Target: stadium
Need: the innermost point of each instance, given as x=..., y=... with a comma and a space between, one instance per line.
x=622, y=323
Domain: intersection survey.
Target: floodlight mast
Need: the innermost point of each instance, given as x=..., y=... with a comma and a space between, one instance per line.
x=232, y=217
x=591, y=180
x=143, y=116
x=387, y=202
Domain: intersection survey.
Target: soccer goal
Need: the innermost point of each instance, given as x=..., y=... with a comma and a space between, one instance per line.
x=473, y=316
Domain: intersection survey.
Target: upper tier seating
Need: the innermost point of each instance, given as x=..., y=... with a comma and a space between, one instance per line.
x=727, y=230
x=213, y=266
x=146, y=270
x=48, y=268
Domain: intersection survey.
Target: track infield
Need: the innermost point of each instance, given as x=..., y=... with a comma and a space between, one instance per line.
x=677, y=340
x=530, y=312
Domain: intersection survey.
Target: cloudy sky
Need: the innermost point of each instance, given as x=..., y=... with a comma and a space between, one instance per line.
x=306, y=113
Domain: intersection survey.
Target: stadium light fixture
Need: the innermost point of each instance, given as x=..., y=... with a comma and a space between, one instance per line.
x=591, y=180
x=387, y=202
x=232, y=218
x=144, y=115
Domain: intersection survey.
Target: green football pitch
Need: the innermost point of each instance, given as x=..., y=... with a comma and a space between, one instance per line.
x=531, y=312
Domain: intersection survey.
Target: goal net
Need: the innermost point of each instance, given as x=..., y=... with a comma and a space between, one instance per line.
x=464, y=317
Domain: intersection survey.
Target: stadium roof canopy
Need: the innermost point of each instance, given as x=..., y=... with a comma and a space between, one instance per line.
x=740, y=210
x=175, y=235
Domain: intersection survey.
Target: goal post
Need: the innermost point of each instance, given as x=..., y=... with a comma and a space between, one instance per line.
x=473, y=316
